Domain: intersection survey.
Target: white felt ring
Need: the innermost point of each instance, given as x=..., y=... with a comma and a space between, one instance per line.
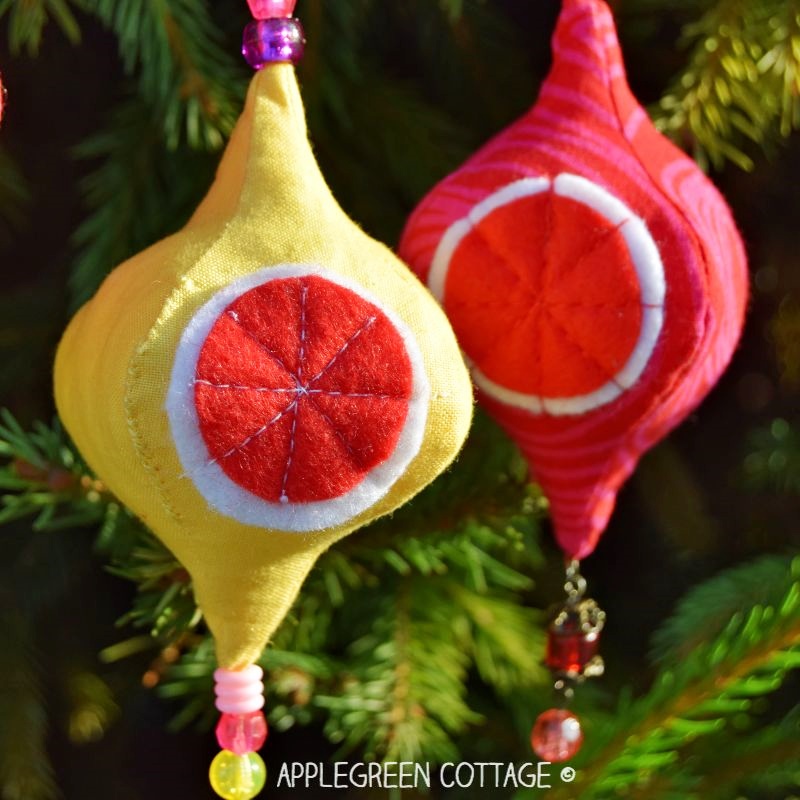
x=644, y=254
x=230, y=499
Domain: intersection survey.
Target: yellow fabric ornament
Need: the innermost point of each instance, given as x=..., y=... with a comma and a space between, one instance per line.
x=263, y=382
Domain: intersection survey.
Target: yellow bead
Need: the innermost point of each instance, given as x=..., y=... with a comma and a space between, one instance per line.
x=237, y=777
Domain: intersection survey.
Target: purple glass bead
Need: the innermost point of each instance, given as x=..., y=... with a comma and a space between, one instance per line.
x=272, y=41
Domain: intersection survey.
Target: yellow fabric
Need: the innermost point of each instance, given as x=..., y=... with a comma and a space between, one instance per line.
x=268, y=205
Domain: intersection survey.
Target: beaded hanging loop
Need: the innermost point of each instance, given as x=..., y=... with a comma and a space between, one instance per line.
x=573, y=641
x=238, y=772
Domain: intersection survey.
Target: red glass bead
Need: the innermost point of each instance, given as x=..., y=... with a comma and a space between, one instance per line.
x=570, y=650
x=557, y=735
x=573, y=638
x=242, y=733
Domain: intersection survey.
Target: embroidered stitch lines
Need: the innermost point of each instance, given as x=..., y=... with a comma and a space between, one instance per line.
x=296, y=400
x=585, y=299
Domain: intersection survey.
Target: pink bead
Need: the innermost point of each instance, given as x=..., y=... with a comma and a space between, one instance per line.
x=557, y=735
x=248, y=675
x=269, y=9
x=240, y=692
x=242, y=733
x=246, y=705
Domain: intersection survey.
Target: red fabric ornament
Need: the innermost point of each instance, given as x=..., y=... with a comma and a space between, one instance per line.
x=2, y=98
x=593, y=275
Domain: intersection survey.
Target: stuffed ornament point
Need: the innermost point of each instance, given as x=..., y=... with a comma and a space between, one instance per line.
x=263, y=382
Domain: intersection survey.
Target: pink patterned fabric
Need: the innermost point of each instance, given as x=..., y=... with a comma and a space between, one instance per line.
x=587, y=126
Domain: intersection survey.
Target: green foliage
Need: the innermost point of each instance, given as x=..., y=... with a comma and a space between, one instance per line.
x=27, y=20
x=140, y=191
x=730, y=643
x=164, y=604
x=402, y=695
x=362, y=113
x=46, y=479
x=174, y=47
x=741, y=83
x=189, y=89
x=706, y=612
x=753, y=763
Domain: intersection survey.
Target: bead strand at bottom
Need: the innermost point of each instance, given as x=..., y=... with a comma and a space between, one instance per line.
x=238, y=772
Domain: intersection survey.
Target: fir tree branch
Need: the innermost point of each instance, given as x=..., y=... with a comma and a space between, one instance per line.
x=46, y=479
x=741, y=83
x=139, y=192
x=694, y=697
x=185, y=72
x=766, y=758
x=506, y=640
x=28, y=19
x=164, y=603
x=403, y=694
x=706, y=611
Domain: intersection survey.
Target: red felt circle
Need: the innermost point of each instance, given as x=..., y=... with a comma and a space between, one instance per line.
x=544, y=297
x=302, y=387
